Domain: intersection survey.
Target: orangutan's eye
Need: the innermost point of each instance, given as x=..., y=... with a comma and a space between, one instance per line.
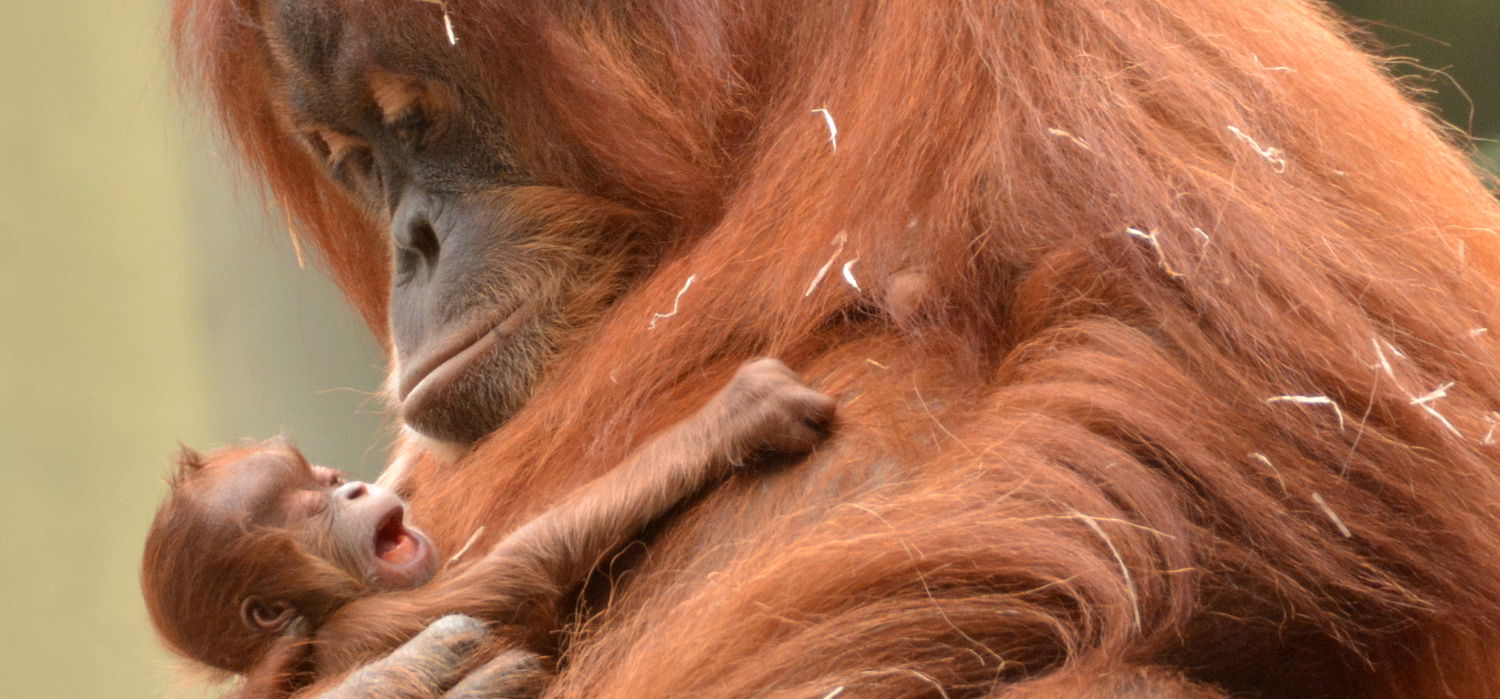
x=311, y=503
x=327, y=476
x=410, y=126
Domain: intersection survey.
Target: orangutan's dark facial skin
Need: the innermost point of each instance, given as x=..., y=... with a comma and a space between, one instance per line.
x=493, y=273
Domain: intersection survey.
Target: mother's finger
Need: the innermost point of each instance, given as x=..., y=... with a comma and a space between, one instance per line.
x=422, y=667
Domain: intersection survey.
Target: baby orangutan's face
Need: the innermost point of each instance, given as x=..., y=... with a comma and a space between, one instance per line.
x=360, y=527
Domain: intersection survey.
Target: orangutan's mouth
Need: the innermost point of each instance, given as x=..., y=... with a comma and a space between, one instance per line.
x=439, y=368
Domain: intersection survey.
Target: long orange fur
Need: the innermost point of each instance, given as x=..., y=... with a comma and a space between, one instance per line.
x=1165, y=240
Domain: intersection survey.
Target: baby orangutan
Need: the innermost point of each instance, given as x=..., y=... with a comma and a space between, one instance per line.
x=259, y=561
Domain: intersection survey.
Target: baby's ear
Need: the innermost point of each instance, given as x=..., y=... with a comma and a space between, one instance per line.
x=267, y=616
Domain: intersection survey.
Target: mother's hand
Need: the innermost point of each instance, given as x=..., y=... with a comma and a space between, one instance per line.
x=431, y=665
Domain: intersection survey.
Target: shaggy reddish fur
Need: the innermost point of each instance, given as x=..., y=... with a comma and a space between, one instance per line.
x=1064, y=471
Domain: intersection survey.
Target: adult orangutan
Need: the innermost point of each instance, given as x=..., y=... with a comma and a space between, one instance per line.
x=1158, y=326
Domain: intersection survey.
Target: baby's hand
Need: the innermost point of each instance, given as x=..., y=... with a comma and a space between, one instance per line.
x=768, y=407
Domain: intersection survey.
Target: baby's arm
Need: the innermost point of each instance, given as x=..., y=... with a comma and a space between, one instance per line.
x=765, y=407
x=520, y=582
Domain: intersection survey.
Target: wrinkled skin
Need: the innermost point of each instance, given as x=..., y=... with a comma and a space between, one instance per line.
x=494, y=273
x=438, y=658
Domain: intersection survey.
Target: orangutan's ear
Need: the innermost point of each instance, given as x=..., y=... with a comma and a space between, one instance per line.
x=266, y=616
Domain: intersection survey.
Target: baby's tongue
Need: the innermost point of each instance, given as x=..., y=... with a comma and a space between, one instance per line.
x=401, y=548
x=393, y=542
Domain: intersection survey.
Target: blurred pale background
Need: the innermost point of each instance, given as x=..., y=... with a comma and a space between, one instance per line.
x=143, y=302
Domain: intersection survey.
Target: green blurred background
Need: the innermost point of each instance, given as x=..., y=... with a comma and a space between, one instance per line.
x=143, y=302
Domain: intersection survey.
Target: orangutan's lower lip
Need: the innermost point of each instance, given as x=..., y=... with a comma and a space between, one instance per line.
x=450, y=358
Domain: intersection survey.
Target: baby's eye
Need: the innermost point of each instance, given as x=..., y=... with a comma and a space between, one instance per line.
x=312, y=502
x=328, y=476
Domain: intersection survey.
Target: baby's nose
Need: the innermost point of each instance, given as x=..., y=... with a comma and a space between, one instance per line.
x=351, y=490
